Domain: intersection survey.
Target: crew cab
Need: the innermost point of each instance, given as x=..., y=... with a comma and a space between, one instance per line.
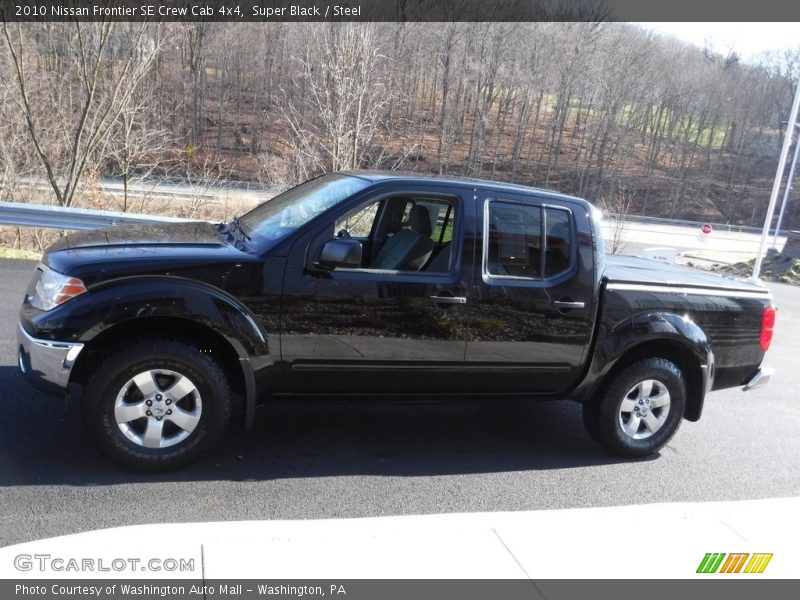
x=380, y=285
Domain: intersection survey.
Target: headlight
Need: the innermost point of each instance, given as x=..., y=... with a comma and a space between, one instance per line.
x=54, y=288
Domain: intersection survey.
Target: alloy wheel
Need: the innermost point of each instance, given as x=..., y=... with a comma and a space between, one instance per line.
x=158, y=408
x=644, y=409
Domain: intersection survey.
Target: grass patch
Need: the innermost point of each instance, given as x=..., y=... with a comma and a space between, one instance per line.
x=448, y=233
x=782, y=270
x=9, y=252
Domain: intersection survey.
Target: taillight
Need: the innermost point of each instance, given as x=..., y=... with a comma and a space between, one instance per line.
x=767, y=325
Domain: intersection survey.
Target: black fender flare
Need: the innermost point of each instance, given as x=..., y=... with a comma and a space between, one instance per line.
x=641, y=329
x=119, y=301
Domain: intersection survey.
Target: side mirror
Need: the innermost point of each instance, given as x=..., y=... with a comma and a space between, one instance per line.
x=340, y=252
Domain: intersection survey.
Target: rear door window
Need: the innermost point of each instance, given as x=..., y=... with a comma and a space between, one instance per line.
x=558, y=243
x=526, y=240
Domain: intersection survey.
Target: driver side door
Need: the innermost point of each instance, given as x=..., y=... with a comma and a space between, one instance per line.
x=394, y=322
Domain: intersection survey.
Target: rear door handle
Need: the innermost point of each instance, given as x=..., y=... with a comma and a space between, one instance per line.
x=568, y=304
x=449, y=299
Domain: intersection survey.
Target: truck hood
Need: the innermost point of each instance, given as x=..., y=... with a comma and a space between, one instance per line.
x=630, y=269
x=149, y=234
x=191, y=249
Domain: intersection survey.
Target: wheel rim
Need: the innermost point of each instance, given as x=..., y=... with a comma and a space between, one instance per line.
x=158, y=408
x=644, y=409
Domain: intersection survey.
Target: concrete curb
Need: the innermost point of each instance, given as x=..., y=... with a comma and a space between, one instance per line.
x=642, y=541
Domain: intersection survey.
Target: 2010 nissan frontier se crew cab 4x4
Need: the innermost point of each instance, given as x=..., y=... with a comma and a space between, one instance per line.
x=380, y=285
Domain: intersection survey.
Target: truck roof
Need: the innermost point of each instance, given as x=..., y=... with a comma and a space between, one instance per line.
x=487, y=184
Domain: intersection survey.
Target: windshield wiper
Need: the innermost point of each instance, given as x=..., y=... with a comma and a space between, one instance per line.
x=236, y=226
x=234, y=232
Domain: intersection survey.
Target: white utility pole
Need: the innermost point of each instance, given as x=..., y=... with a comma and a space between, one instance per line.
x=776, y=186
x=786, y=193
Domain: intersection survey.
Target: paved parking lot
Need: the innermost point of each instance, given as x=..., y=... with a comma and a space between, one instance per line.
x=354, y=460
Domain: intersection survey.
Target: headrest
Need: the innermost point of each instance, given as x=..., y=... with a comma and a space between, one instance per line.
x=507, y=216
x=420, y=221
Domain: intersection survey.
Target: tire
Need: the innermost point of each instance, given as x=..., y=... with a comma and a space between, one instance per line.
x=640, y=410
x=157, y=405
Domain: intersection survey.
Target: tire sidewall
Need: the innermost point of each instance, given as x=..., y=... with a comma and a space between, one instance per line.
x=104, y=388
x=667, y=374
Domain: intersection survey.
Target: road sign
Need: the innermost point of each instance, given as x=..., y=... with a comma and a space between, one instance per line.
x=706, y=228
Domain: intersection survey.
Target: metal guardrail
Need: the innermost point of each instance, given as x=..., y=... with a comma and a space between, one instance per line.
x=693, y=224
x=58, y=217
x=199, y=190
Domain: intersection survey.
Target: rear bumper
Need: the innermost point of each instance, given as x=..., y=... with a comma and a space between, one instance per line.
x=759, y=379
x=46, y=363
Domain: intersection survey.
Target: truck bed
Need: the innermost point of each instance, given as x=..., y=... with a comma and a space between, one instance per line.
x=641, y=271
x=728, y=310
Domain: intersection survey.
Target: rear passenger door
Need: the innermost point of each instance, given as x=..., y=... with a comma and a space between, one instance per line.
x=532, y=321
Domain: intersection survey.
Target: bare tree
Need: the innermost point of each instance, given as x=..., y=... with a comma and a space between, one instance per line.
x=196, y=35
x=71, y=96
x=582, y=107
x=204, y=177
x=138, y=145
x=616, y=210
x=17, y=158
x=336, y=101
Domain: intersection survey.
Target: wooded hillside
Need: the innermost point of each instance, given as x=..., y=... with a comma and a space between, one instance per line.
x=606, y=111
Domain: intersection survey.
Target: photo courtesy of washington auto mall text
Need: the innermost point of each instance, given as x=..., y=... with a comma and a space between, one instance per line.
x=200, y=590
x=399, y=299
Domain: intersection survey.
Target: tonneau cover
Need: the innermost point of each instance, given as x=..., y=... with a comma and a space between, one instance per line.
x=630, y=269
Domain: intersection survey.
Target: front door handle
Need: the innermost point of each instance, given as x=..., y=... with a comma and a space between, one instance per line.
x=568, y=303
x=449, y=299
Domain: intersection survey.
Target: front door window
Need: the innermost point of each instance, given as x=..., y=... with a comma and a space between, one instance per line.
x=406, y=234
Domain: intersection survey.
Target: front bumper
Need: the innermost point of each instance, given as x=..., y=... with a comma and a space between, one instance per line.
x=46, y=363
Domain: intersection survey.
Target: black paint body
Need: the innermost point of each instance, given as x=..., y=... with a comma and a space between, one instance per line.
x=295, y=329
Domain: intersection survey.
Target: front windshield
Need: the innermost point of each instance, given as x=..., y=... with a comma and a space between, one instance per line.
x=286, y=212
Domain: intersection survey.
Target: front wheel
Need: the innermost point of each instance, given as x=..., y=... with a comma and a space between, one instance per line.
x=640, y=410
x=157, y=405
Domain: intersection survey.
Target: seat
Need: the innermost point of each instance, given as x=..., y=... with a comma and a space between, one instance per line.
x=441, y=262
x=409, y=248
x=510, y=255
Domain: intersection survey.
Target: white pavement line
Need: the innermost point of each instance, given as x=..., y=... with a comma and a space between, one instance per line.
x=642, y=541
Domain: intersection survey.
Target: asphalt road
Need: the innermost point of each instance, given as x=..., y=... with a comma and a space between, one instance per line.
x=326, y=461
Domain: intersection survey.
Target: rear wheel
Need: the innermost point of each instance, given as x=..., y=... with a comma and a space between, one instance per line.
x=641, y=409
x=157, y=405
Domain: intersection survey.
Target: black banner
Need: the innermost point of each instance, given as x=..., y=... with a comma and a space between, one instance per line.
x=735, y=588
x=398, y=10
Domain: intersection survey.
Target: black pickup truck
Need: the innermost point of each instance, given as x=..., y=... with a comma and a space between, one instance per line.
x=380, y=285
